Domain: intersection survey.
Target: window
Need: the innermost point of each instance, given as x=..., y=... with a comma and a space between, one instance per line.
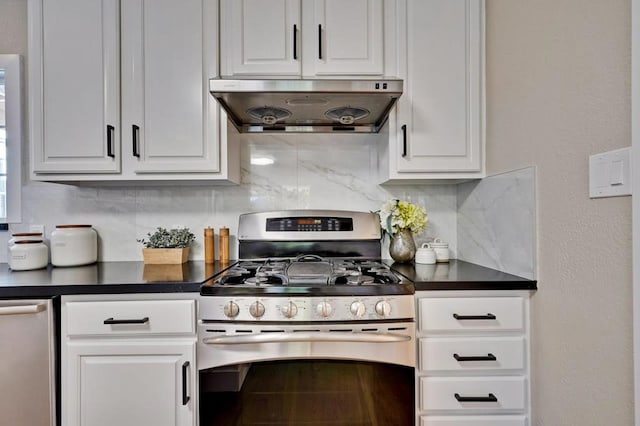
x=10, y=137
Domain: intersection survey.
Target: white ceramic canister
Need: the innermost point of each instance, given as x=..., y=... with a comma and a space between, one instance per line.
x=426, y=255
x=25, y=255
x=74, y=245
x=22, y=236
x=442, y=250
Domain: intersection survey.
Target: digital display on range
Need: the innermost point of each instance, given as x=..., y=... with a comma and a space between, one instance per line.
x=322, y=224
x=308, y=221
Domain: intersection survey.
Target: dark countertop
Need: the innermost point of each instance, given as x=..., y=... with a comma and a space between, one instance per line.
x=460, y=275
x=106, y=278
x=136, y=277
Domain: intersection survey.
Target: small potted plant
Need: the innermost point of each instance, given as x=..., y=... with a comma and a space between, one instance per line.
x=167, y=246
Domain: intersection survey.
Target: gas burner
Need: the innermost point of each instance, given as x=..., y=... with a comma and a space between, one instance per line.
x=341, y=272
x=386, y=277
x=270, y=280
x=354, y=279
x=248, y=265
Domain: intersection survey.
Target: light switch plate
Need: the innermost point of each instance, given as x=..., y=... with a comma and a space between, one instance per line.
x=610, y=174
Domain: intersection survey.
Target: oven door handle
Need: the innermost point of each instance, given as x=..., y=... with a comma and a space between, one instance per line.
x=311, y=336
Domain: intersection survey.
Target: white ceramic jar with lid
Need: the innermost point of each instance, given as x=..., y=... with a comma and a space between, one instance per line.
x=442, y=250
x=426, y=255
x=74, y=245
x=26, y=255
x=22, y=236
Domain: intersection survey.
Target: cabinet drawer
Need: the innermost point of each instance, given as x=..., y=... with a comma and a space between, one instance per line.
x=472, y=353
x=443, y=393
x=473, y=421
x=130, y=317
x=443, y=314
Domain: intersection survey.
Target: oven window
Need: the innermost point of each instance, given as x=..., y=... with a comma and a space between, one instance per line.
x=312, y=392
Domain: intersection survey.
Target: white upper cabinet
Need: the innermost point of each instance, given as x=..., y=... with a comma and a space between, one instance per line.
x=74, y=86
x=260, y=37
x=343, y=38
x=293, y=38
x=124, y=91
x=438, y=129
x=168, y=55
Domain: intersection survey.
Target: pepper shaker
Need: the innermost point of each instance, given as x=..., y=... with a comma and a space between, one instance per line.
x=223, y=245
x=209, y=247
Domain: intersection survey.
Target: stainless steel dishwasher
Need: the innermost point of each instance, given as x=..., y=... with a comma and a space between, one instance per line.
x=27, y=362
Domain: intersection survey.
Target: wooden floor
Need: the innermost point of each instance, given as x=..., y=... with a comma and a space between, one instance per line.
x=314, y=393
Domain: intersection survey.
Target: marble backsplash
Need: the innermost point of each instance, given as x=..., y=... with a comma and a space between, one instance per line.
x=496, y=222
x=320, y=171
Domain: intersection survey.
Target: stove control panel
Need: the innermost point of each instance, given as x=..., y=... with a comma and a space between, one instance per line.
x=302, y=224
x=306, y=308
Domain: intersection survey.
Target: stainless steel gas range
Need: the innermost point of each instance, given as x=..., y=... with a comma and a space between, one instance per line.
x=310, y=294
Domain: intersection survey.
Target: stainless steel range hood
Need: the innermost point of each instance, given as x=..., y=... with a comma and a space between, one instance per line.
x=307, y=106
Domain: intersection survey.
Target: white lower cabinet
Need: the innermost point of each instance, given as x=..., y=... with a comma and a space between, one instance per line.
x=128, y=362
x=473, y=359
x=473, y=421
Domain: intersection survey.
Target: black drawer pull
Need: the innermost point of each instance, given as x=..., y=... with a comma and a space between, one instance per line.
x=320, y=41
x=404, y=140
x=110, y=132
x=127, y=321
x=489, y=398
x=185, y=393
x=136, y=143
x=295, y=42
x=488, y=357
x=474, y=317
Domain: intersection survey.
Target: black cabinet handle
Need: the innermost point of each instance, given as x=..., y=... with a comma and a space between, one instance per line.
x=474, y=317
x=135, y=130
x=110, y=131
x=488, y=357
x=404, y=140
x=185, y=390
x=127, y=321
x=489, y=398
x=319, y=41
x=295, y=42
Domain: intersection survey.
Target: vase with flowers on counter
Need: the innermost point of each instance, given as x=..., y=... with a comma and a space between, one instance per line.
x=400, y=220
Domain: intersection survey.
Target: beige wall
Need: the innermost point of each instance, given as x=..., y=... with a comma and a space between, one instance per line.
x=13, y=26
x=558, y=90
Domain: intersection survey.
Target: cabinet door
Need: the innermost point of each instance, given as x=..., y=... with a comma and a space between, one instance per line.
x=343, y=37
x=168, y=56
x=74, y=86
x=260, y=37
x=129, y=383
x=440, y=114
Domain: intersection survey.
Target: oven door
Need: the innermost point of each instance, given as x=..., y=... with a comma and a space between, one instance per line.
x=314, y=374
